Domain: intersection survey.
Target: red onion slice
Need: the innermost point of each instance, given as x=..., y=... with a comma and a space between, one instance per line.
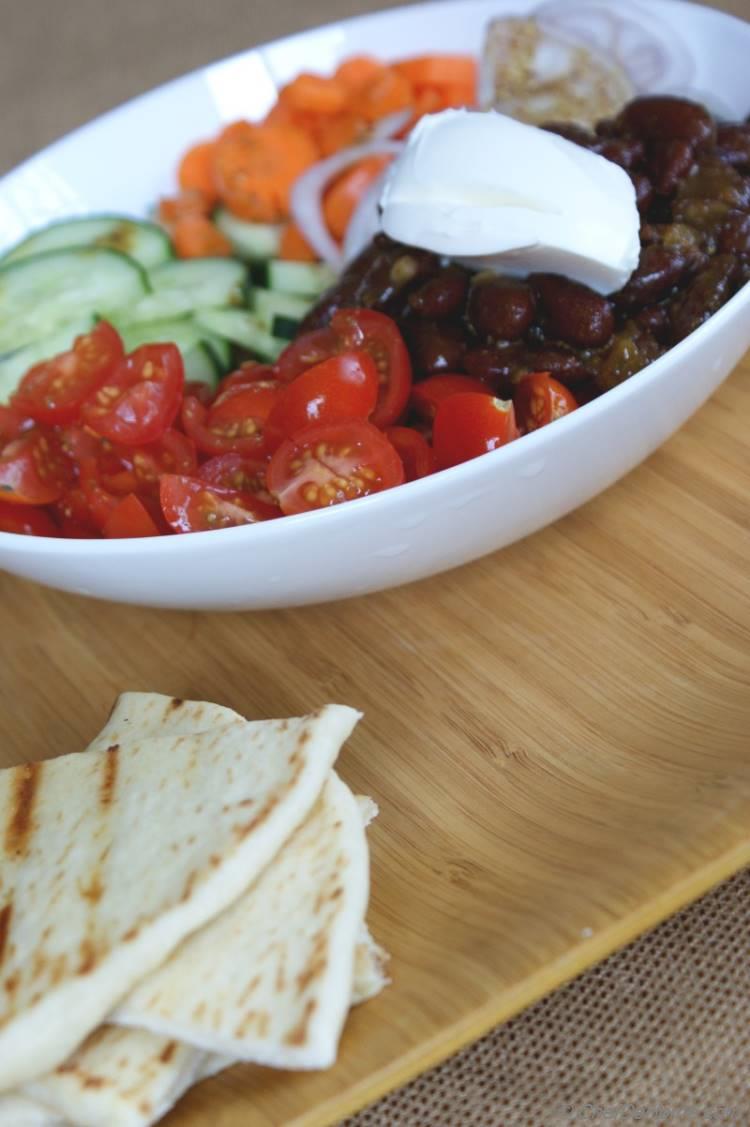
x=307, y=196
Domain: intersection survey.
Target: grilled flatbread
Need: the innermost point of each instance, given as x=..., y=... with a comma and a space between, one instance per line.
x=142, y=844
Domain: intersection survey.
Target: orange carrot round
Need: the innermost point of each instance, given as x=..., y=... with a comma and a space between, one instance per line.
x=386, y=93
x=313, y=94
x=196, y=170
x=439, y=70
x=347, y=190
x=195, y=236
x=256, y=167
x=294, y=247
x=357, y=71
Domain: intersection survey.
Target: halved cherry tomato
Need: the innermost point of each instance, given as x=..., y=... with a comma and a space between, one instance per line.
x=325, y=465
x=129, y=518
x=343, y=387
x=173, y=453
x=34, y=469
x=540, y=399
x=141, y=397
x=249, y=372
x=201, y=390
x=12, y=424
x=414, y=451
x=26, y=520
x=190, y=505
x=470, y=424
x=305, y=352
x=52, y=392
x=427, y=395
x=379, y=335
x=238, y=473
x=73, y=515
x=235, y=420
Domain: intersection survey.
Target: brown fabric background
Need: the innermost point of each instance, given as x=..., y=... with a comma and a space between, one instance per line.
x=658, y=1033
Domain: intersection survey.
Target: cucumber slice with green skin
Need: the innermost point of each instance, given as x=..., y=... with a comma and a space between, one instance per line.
x=145, y=242
x=14, y=365
x=207, y=282
x=202, y=364
x=242, y=328
x=45, y=292
x=269, y=304
x=307, y=279
x=203, y=355
x=285, y=328
x=160, y=307
x=253, y=241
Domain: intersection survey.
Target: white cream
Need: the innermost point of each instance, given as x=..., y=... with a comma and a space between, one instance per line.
x=494, y=193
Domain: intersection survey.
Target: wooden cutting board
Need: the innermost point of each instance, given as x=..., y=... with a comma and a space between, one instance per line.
x=558, y=737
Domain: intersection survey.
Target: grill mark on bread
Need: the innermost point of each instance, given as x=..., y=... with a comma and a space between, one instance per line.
x=175, y=703
x=5, y=917
x=25, y=787
x=297, y=1035
x=109, y=774
x=168, y=1052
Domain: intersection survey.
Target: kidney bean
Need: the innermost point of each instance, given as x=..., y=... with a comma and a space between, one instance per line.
x=708, y=291
x=663, y=118
x=644, y=190
x=608, y=127
x=706, y=216
x=391, y=276
x=654, y=319
x=574, y=313
x=669, y=163
x=625, y=151
x=441, y=295
x=630, y=351
x=500, y=308
x=733, y=144
x=566, y=366
x=734, y=237
x=659, y=269
x=571, y=132
x=496, y=366
x=435, y=346
x=716, y=181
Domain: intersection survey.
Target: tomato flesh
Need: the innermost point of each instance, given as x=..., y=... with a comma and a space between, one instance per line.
x=342, y=387
x=380, y=336
x=34, y=469
x=414, y=451
x=52, y=392
x=305, y=352
x=140, y=399
x=235, y=421
x=26, y=520
x=191, y=505
x=129, y=518
x=326, y=465
x=469, y=424
x=427, y=395
x=540, y=399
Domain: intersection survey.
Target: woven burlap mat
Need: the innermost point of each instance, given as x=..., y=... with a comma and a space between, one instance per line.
x=657, y=1033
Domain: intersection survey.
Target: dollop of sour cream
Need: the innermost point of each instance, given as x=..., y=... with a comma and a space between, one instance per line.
x=497, y=194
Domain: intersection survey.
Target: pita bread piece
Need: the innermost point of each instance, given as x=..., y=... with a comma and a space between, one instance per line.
x=108, y=860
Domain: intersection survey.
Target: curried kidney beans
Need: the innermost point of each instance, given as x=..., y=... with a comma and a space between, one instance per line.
x=659, y=269
x=565, y=365
x=662, y=118
x=628, y=152
x=716, y=181
x=435, y=346
x=708, y=291
x=733, y=144
x=500, y=308
x=644, y=190
x=669, y=164
x=496, y=366
x=574, y=313
x=734, y=237
x=654, y=319
x=630, y=351
x=442, y=294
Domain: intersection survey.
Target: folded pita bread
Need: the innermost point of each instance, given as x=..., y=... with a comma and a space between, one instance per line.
x=149, y=715
x=17, y=1111
x=270, y=979
x=142, y=844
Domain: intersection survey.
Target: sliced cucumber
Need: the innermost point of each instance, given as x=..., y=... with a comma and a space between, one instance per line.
x=242, y=328
x=159, y=307
x=253, y=241
x=45, y=292
x=14, y=365
x=208, y=282
x=205, y=357
x=270, y=304
x=285, y=328
x=202, y=364
x=307, y=279
x=145, y=242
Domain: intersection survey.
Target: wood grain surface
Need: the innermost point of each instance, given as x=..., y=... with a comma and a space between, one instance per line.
x=557, y=735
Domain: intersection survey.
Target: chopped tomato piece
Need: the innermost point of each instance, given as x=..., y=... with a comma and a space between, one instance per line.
x=414, y=451
x=342, y=387
x=140, y=399
x=326, y=465
x=469, y=424
x=379, y=335
x=234, y=422
x=190, y=505
x=237, y=473
x=540, y=399
x=304, y=352
x=12, y=424
x=52, y=392
x=174, y=452
x=26, y=520
x=248, y=373
x=427, y=395
x=34, y=469
x=129, y=518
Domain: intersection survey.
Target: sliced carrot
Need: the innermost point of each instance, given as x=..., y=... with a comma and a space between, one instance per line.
x=439, y=70
x=347, y=190
x=386, y=93
x=257, y=166
x=196, y=170
x=357, y=71
x=195, y=236
x=281, y=114
x=311, y=93
x=339, y=132
x=294, y=246
x=172, y=208
x=456, y=94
